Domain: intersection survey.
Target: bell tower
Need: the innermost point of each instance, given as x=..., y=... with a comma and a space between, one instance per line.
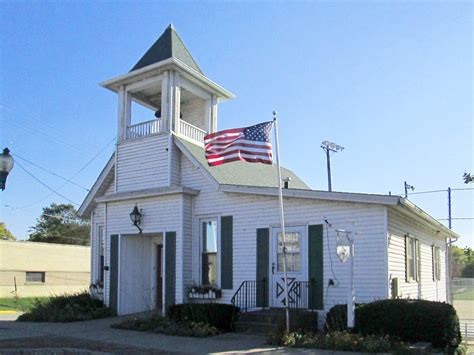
x=165, y=94
x=168, y=81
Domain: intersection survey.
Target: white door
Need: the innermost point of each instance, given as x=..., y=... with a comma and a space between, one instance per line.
x=296, y=262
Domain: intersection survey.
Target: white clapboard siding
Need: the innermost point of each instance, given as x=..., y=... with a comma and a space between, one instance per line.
x=194, y=112
x=187, y=243
x=252, y=212
x=175, y=165
x=160, y=214
x=110, y=189
x=143, y=163
x=398, y=226
x=97, y=220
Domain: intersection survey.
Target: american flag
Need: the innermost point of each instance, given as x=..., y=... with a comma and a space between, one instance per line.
x=251, y=144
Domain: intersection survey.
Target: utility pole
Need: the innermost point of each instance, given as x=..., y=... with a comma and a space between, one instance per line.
x=329, y=147
x=449, y=208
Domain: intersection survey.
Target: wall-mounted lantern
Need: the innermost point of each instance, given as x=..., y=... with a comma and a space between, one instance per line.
x=136, y=217
x=6, y=165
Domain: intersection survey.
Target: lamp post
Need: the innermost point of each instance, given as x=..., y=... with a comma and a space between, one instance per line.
x=136, y=217
x=6, y=165
x=329, y=147
x=408, y=187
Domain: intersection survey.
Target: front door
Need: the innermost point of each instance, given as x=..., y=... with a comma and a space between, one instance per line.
x=296, y=262
x=159, y=277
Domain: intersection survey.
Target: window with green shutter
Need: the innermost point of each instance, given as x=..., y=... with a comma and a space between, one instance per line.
x=412, y=259
x=436, y=261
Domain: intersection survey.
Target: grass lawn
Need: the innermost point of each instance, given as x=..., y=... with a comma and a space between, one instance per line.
x=465, y=296
x=19, y=304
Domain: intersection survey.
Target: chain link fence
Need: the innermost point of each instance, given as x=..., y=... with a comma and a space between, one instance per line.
x=463, y=300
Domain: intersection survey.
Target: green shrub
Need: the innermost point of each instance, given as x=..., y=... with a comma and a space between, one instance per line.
x=220, y=316
x=71, y=308
x=411, y=321
x=336, y=318
x=159, y=324
x=342, y=341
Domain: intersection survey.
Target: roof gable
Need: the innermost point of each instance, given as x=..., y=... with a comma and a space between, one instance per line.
x=169, y=45
x=240, y=172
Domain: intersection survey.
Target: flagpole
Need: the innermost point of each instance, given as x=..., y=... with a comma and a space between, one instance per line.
x=282, y=222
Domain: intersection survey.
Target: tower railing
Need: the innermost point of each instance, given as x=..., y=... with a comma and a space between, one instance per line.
x=191, y=132
x=143, y=129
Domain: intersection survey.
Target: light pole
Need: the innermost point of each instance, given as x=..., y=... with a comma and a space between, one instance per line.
x=408, y=187
x=329, y=147
x=6, y=165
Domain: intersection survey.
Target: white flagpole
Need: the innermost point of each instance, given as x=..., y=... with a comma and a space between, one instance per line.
x=282, y=222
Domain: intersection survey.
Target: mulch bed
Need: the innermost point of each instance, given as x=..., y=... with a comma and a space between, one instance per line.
x=66, y=345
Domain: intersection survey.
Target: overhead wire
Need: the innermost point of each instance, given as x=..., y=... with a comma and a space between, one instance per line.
x=60, y=187
x=45, y=185
x=49, y=171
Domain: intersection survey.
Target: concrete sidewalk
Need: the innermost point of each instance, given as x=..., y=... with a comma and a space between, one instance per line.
x=97, y=337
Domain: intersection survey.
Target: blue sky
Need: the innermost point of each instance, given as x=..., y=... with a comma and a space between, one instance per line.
x=390, y=81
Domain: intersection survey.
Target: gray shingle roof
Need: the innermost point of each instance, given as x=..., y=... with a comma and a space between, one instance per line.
x=169, y=45
x=243, y=173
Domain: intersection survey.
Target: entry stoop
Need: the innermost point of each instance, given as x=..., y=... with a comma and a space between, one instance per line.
x=265, y=321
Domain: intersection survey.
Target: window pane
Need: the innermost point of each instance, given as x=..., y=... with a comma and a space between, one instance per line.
x=33, y=276
x=209, y=229
x=209, y=268
x=293, y=262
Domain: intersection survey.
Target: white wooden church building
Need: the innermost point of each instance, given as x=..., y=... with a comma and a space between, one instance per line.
x=215, y=230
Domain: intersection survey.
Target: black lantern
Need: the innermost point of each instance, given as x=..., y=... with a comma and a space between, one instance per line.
x=136, y=218
x=6, y=165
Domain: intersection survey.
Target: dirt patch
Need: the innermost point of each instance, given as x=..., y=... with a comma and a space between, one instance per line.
x=66, y=345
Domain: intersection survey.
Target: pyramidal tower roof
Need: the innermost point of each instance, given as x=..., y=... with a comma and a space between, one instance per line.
x=169, y=45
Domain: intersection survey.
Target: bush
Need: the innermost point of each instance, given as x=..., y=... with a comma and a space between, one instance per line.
x=411, y=321
x=71, y=308
x=342, y=341
x=220, y=316
x=336, y=318
x=158, y=324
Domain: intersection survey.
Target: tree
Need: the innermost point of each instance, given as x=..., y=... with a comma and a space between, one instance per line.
x=58, y=223
x=5, y=233
x=467, y=177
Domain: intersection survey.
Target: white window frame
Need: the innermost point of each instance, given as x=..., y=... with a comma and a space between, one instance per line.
x=436, y=262
x=413, y=275
x=218, y=248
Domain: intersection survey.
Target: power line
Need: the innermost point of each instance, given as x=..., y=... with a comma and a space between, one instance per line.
x=51, y=172
x=47, y=186
x=76, y=174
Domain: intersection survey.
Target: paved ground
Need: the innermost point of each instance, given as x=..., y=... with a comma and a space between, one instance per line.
x=97, y=337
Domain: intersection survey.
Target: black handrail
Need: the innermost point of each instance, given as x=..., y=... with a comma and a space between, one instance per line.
x=301, y=295
x=251, y=294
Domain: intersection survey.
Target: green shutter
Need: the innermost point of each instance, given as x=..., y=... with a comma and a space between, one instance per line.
x=315, y=267
x=226, y=253
x=263, y=260
x=113, y=272
x=170, y=268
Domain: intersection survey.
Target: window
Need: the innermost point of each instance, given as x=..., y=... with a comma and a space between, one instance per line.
x=35, y=276
x=436, y=263
x=100, y=258
x=209, y=252
x=293, y=258
x=412, y=263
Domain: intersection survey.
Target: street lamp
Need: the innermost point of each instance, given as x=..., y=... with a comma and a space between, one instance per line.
x=330, y=147
x=6, y=165
x=136, y=218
